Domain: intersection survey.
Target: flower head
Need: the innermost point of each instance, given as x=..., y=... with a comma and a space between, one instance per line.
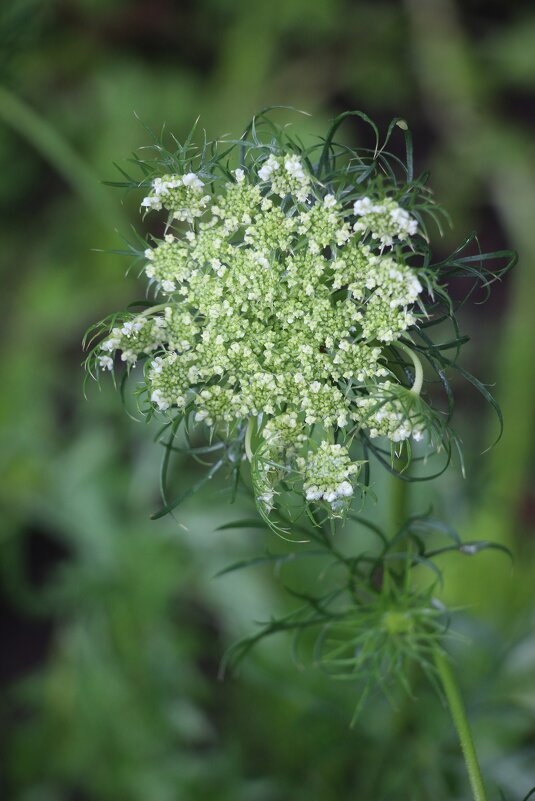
x=385, y=220
x=328, y=475
x=292, y=289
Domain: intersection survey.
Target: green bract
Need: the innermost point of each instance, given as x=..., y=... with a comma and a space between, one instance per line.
x=295, y=294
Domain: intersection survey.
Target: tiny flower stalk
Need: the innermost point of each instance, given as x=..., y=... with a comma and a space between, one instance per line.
x=285, y=289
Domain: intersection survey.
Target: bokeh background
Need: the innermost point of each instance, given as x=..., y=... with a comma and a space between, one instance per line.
x=114, y=626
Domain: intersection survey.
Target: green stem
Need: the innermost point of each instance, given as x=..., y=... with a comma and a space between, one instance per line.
x=460, y=720
x=418, y=369
x=399, y=501
x=248, y=438
x=153, y=309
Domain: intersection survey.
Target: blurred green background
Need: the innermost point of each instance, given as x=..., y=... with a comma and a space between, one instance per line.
x=113, y=625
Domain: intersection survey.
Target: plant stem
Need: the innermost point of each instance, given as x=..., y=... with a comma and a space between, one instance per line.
x=248, y=438
x=399, y=501
x=418, y=369
x=460, y=720
x=152, y=310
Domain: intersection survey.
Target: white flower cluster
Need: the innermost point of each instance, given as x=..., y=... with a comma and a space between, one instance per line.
x=284, y=433
x=286, y=176
x=142, y=335
x=328, y=473
x=284, y=437
x=385, y=221
x=324, y=225
x=393, y=412
x=278, y=306
x=134, y=337
x=168, y=263
x=389, y=287
x=180, y=194
x=170, y=378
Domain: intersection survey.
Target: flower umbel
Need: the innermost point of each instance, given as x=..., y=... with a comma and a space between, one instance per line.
x=296, y=288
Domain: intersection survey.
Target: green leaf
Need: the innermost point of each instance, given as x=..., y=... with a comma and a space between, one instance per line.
x=179, y=499
x=269, y=558
x=245, y=523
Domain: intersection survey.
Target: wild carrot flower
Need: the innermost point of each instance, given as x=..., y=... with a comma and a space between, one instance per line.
x=296, y=300
x=295, y=294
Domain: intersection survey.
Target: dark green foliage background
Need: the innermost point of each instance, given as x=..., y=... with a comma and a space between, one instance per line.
x=113, y=625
